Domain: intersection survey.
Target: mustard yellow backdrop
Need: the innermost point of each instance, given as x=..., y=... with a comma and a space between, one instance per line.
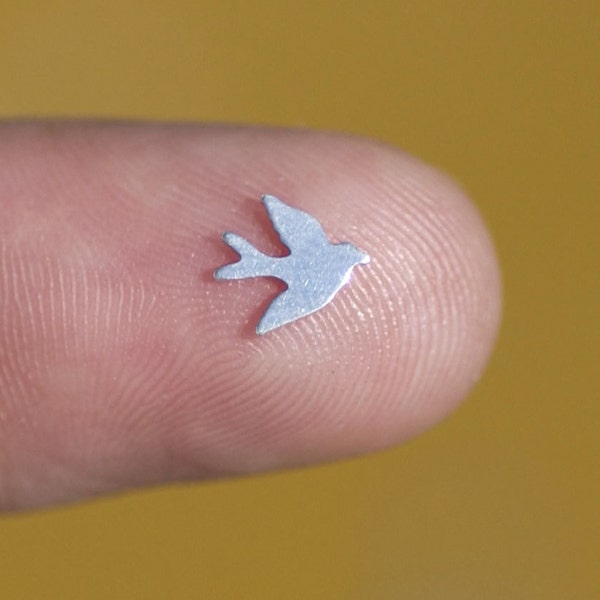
x=500, y=501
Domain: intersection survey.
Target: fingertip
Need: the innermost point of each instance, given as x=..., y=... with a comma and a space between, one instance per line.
x=154, y=372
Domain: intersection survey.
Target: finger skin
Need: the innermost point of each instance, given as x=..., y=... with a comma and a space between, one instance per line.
x=123, y=362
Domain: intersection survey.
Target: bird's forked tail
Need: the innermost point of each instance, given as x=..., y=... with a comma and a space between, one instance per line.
x=252, y=263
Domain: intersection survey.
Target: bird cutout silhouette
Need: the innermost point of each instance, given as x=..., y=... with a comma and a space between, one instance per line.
x=314, y=270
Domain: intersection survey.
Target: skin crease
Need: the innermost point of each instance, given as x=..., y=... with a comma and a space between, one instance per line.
x=124, y=363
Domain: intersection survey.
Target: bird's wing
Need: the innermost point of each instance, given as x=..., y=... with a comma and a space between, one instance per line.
x=295, y=227
x=284, y=309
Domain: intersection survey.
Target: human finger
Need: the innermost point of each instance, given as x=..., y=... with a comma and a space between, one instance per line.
x=124, y=363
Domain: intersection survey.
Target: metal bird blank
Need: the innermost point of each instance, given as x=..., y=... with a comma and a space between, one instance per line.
x=314, y=271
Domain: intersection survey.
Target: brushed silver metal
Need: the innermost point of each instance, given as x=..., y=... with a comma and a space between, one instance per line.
x=314, y=271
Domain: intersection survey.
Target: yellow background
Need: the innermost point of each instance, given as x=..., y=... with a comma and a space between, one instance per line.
x=501, y=500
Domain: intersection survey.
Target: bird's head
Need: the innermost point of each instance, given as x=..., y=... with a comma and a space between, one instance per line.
x=350, y=254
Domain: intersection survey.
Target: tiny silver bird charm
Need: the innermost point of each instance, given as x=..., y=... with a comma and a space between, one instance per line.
x=314, y=271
